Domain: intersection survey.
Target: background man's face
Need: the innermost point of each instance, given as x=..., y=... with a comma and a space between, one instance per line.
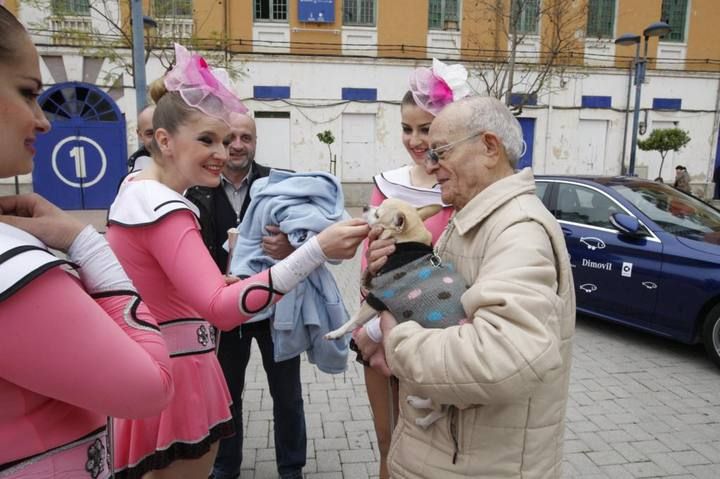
x=145, y=127
x=242, y=149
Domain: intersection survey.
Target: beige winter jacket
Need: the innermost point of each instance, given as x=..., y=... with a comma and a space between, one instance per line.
x=506, y=374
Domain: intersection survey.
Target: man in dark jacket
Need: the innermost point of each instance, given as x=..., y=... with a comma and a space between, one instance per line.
x=222, y=208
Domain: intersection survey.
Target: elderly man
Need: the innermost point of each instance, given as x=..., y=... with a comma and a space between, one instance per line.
x=503, y=377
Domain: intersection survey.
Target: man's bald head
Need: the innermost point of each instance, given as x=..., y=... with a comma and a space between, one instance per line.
x=145, y=126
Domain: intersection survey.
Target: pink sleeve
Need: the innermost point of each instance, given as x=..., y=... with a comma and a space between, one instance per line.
x=438, y=222
x=59, y=342
x=177, y=245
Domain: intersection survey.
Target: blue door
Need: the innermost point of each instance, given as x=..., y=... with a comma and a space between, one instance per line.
x=80, y=162
x=528, y=129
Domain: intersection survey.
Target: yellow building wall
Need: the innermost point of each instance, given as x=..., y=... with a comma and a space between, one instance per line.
x=315, y=38
x=240, y=22
x=486, y=28
x=402, y=28
x=559, y=25
x=703, y=39
x=209, y=18
x=633, y=16
x=12, y=6
x=483, y=29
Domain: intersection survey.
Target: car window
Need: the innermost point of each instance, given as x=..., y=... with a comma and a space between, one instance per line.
x=675, y=212
x=541, y=190
x=584, y=205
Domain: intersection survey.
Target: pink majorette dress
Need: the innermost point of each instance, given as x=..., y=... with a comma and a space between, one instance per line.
x=154, y=232
x=67, y=361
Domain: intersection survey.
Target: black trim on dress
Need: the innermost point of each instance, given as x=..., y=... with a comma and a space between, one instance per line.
x=177, y=451
x=29, y=277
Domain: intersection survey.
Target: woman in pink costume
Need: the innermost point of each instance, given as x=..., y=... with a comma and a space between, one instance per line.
x=430, y=90
x=72, y=351
x=154, y=231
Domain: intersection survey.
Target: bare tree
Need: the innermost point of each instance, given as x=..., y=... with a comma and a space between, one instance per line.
x=107, y=33
x=553, y=30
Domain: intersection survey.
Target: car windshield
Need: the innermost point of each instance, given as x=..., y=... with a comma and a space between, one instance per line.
x=675, y=212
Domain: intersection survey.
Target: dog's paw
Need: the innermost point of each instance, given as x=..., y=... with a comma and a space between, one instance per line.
x=419, y=403
x=427, y=421
x=337, y=334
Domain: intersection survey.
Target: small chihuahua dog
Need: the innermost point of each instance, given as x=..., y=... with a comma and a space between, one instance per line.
x=414, y=284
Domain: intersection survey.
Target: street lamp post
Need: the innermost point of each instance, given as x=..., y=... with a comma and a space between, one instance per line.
x=656, y=29
x=139, y=22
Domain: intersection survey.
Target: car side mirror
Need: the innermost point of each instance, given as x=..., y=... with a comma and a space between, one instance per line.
x=626, y=224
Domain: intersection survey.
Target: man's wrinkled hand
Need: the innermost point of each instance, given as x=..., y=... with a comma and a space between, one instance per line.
x=277, y=245
x=377, y=251
x=379, y=363
x=367, y=346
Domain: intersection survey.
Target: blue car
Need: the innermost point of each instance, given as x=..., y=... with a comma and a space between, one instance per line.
x=643, y=254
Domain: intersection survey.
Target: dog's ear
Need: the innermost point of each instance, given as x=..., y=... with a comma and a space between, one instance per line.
x=399, y=221
x=427, y=211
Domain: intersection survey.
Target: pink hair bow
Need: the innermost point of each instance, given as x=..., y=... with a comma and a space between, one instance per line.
x=207, y=89
x=433, y=88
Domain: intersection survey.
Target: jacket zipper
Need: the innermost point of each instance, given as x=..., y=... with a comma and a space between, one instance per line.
x=453, y=432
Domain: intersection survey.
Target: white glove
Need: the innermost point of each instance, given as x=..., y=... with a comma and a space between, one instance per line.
x=99, y=269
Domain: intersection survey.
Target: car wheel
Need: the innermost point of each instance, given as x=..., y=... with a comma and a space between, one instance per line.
x=711, y=334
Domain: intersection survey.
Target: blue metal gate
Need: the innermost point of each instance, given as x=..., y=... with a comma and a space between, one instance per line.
x=80, y=162
x=528, y=129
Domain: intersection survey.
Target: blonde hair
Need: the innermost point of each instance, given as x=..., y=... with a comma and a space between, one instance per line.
x=171, y=111
x=12, y=33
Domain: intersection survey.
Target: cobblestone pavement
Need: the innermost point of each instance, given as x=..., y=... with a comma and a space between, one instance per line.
x=640, y=407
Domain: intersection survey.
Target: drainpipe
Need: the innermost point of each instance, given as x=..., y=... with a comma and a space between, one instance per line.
x=548, y=135
x=625, y=126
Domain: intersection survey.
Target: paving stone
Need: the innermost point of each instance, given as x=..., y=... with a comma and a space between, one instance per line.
x=328, y=461
x=357, y=455
x=667, y=463
x=606, y=458
x=325, y=475
x=582, y=464
x=690, y=458
x=629, y=452
x=644, y=469
x=333, y=429
x=616, y=471
x=355, y=470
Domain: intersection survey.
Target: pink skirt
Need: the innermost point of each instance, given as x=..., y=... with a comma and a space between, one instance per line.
x=198, y=415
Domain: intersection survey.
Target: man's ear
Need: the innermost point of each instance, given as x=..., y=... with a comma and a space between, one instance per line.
x=492, y=143
x=493, y=147
x=427, y=211
x=162, y=138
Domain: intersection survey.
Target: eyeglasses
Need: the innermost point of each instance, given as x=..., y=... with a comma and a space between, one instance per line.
x=432, y=157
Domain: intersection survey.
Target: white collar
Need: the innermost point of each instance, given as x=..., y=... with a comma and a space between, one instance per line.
x=143, y=202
